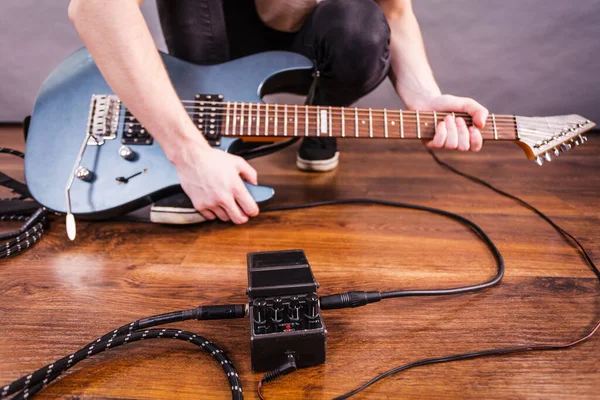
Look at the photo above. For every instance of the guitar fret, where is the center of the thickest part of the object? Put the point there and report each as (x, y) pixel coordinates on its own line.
(249, 118)
(306, 120)
(257, 118)
(318, 122)
(385, 122)
(343, 123)
(227, 119)
(266, 119)
(295, 119)
(330, 122)
(355, 121)
(234, 117)
(370, 123)
(285, 120)
(275, 127)
(401, 124)
(242, 121)
(418, 125)
(434, 123)
(495, 129)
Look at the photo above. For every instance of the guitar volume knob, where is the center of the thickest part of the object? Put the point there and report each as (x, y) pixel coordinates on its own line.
(126, 153)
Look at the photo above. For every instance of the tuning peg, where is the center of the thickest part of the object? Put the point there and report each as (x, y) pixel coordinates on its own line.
(582, 139)
(556, 152)
(565, 147)
(539, 160)
(547, 156)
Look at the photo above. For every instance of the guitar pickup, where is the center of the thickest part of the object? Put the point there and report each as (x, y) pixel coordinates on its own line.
(207, 114)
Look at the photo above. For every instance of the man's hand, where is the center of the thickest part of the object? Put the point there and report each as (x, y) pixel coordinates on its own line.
(453, 133)
(211, 178)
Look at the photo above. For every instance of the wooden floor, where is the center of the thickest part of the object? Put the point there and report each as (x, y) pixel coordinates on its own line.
(60, 295)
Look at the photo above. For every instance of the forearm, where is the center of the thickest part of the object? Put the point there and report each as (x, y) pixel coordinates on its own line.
(410, 71)
(120, 42)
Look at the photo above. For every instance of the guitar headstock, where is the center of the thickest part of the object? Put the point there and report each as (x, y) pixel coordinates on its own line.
(544, 137)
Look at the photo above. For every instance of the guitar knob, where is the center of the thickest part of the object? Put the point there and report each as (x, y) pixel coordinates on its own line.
(84, 174)
(556, 152)
(547, 156)
(126, 153)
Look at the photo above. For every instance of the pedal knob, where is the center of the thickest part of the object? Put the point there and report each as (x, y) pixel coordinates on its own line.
(278, 309)
(294, 310)
(311, 307)
(260, 311)
(126, 153)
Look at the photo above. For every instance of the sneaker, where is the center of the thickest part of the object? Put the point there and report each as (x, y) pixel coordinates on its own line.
(317, 155)
(176, 209)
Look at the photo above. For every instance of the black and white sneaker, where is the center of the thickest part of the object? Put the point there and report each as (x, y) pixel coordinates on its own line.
(317, 155)
(176, 209)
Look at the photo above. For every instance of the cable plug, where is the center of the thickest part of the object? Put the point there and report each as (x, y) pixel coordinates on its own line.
(286, 368)
(226, 311)
(348, 300)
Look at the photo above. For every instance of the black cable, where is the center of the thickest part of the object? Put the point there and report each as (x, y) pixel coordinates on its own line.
(498, 351)
(63, 365)
(16, 209)
(6, 150)
(286, 368)
(199, 313)
(356, 299)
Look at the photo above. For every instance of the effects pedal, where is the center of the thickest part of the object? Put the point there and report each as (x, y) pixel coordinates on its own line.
(284, 312)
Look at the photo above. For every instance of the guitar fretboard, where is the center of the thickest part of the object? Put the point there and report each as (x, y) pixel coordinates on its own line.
(288, 120)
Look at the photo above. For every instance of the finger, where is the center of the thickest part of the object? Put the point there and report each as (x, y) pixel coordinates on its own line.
(235, 213)
(463, 135)
(208, 214)
(246, 201)
(476, 139)
(439, 139)
(247, 172)
(219, 212)
(452, 135)
(477, 112)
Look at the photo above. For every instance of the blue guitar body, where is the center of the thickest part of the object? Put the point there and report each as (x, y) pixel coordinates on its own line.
(61, 119)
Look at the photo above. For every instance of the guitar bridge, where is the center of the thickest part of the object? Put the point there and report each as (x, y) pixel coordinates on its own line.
(104, 119)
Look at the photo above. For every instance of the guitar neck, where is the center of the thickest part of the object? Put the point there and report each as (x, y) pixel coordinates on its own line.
(288, 120)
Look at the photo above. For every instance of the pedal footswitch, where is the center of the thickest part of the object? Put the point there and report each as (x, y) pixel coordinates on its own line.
(285, 317)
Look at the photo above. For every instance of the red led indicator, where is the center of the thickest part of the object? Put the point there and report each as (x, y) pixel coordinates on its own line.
(288, 327)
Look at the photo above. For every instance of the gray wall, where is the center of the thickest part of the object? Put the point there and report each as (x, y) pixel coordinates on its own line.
(528, 57)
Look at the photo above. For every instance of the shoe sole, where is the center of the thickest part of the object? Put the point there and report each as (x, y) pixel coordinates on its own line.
(318, 165)
(175, 215)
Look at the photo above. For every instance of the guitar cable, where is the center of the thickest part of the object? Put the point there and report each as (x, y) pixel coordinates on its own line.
(32, 383)
(18, 208)
(361, 298)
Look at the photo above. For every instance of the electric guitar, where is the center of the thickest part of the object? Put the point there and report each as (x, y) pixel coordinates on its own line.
(87, 154)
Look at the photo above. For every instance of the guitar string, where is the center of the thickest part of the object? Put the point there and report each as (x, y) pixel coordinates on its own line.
(336, 111)
(407, 116)
(407, 121)
(366, 110)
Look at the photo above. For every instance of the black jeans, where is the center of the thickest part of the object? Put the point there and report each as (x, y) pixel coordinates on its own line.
(347, 39)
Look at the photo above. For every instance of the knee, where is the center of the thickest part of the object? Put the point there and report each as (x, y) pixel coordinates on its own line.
(356, 39)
